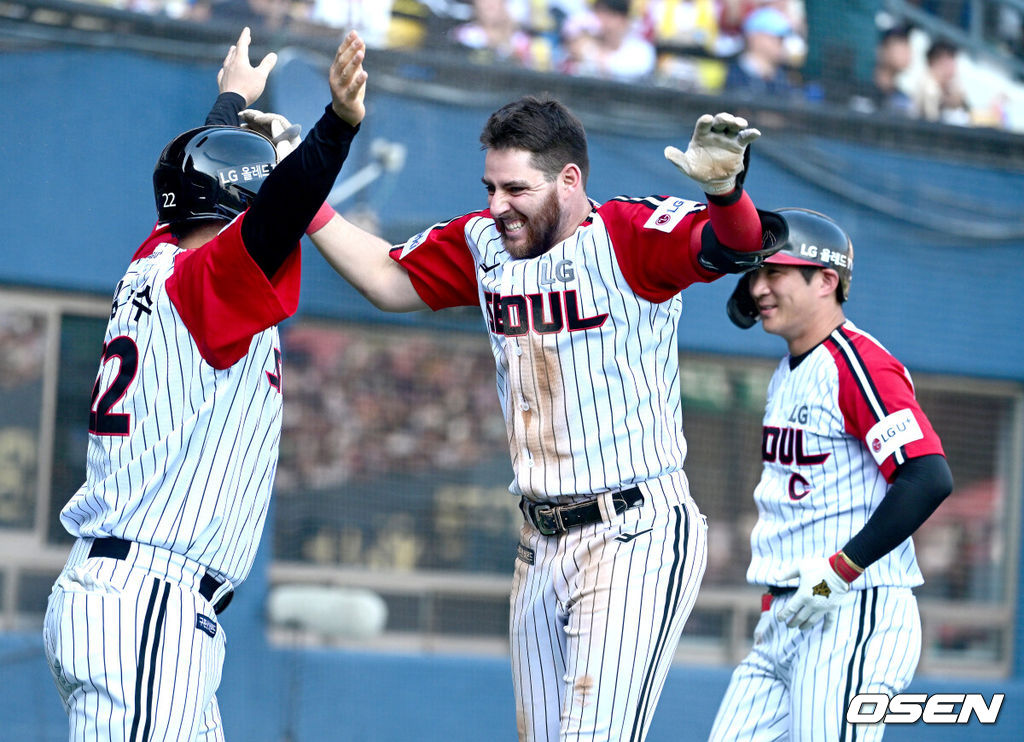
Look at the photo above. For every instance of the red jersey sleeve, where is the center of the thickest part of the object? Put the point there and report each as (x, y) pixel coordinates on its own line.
(657, 240)
(225, 299)
(876, 397)
(440, 264)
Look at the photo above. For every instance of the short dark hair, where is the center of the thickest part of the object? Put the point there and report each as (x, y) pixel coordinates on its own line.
(808, 272)
(619, 7)
(940, 48)
(899, 31)
(543, 127)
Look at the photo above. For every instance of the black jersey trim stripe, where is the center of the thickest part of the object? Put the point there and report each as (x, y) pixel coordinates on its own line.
(844, 343)
(863, 635)
(440, 225)
(675, 586)
(446, 222)
(145, 647)
(863, 653)
(651, 202)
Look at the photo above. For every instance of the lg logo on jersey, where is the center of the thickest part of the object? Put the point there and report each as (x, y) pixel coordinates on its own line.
(800, 415)
(786, 445)
(909, 708)
(563, 271)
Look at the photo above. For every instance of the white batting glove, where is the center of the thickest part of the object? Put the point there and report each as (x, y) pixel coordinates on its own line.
(714, 156)
(275, 127)
(817, 597)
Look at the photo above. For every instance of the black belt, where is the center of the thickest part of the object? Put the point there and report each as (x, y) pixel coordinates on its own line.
(777, 591)
(554, 519)
(117, 548)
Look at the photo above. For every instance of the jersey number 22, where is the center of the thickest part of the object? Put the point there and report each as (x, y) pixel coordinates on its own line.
(101, 420)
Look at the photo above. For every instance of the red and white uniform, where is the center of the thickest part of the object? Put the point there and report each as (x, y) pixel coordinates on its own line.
(184, 431)
(836, 427)
(583, 336)
(584, 339)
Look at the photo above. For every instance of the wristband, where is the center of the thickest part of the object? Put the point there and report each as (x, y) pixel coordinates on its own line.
(725, 199)
(844, 566)
(323, 215)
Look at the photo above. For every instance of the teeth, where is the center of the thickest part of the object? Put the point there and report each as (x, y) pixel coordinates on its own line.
(513, 226)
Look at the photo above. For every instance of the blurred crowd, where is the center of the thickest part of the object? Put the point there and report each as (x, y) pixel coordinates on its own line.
(750, 48)
(361, 402)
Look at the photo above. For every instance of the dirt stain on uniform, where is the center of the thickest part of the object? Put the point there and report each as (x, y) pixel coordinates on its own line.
(546, 369)
(582, 689)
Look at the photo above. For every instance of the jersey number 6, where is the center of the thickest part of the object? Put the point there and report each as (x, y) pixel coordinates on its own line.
(101, 420)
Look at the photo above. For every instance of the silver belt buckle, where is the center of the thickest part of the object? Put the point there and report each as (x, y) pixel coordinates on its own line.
(548, 520)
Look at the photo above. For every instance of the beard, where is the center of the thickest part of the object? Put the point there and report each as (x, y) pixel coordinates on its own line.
(539, 230)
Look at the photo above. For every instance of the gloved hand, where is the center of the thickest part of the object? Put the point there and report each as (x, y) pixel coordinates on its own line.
(275, 127)
(715, 156)
(817, 597)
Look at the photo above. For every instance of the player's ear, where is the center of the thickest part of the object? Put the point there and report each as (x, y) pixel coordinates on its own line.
(570, 178)
(829, 281)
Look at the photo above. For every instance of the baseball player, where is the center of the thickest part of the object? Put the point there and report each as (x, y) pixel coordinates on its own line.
(852, 468)
(581, 302)
(185, 423)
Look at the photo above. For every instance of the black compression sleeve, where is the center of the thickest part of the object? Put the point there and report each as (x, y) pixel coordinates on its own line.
(920, 486)
(225, 110)
(290, 196)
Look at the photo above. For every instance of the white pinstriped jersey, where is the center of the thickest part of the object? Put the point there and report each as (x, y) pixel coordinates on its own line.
(836, 427)
(186, 410)
(584, 338)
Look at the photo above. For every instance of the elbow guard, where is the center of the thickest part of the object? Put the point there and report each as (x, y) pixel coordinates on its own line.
(714, 256)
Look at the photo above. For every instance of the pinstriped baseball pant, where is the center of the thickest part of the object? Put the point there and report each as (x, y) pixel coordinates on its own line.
(596, 619)
(132, 654)
(797, 685)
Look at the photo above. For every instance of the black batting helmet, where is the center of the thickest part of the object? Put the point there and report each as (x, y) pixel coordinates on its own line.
(814, 240)
(210, 173)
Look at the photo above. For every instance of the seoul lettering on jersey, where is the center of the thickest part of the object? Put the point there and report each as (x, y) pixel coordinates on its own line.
(786, 445)
(543, 313)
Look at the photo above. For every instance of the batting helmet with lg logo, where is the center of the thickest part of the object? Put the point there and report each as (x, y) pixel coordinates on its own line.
(211, 172)
(814, 240)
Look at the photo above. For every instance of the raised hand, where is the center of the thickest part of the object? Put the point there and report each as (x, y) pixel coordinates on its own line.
(237, 75)
(348, 80)
(715, 156)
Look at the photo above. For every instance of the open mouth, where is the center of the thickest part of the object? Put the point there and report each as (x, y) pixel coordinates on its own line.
(513, 226)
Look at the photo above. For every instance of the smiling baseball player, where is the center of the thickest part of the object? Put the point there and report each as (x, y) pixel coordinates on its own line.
(851, 468)
(581, 302)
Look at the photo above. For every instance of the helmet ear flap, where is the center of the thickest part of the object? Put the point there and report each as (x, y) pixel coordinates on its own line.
(741, 307)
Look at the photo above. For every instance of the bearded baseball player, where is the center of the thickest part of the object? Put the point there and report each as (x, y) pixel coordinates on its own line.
(581, 302)
(852, 468)
(185, 422)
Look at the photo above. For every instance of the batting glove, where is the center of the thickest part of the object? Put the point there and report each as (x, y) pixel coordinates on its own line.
(715, 156)
(818, 595)
(275, 127)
